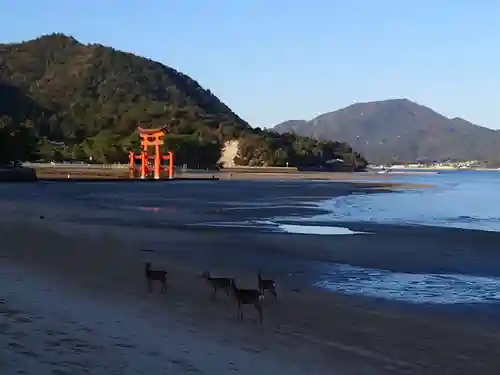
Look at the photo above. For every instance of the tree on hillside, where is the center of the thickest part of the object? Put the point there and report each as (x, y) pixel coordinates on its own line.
(17, 142)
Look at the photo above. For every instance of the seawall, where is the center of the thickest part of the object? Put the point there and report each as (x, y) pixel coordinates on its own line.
(17, 174)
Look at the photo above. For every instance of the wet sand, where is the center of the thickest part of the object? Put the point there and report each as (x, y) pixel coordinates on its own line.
(74, 303)
(74, 296)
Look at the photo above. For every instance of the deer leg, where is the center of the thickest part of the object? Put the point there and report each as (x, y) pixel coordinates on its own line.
(240, 313)
(150, 286)
(258, 307)
(164, 286)
(214, 293)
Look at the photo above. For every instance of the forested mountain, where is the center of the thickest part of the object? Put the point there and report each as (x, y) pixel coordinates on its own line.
(92, 98)
(399, 130)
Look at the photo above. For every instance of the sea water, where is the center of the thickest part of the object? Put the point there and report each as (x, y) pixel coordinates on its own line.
(418, 288)
(462, 199)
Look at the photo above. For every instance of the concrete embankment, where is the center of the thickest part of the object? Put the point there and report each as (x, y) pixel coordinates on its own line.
(17, 174)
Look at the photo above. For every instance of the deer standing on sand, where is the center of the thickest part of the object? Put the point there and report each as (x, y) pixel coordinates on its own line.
(217, 283)
(155, 275)
(247, 297)
(268, 285)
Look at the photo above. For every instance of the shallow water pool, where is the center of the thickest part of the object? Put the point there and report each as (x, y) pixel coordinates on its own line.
(410, 287)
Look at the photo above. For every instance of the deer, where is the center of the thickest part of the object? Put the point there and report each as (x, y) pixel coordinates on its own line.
(247, 297)
(267, 285)
(217, 283)
(155, 275)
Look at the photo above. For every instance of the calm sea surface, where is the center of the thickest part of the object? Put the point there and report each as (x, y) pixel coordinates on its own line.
(461, 199)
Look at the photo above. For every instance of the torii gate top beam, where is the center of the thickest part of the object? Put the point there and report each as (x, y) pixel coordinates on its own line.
(151, 137)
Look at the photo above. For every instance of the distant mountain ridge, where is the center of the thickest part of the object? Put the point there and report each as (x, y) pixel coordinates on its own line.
(399, 130)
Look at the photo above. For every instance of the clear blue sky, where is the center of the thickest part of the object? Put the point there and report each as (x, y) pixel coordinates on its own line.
(273, 60)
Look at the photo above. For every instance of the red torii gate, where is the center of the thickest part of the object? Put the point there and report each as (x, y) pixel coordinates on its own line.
(151, 137)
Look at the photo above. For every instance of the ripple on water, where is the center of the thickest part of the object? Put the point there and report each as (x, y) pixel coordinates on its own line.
(286, 228)
(411, 287)
(317, 229)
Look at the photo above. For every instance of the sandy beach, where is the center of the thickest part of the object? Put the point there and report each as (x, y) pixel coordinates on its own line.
(74, 303)
(74, 300)
(68, 172)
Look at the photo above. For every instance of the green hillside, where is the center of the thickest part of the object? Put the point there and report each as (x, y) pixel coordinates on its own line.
(92, 98)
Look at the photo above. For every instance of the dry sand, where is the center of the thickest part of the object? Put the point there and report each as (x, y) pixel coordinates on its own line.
(74, 301)
(78, 173)
(75, 304)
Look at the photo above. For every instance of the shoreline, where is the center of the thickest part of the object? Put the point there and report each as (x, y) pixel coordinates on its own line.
(72, 175)
(81, 243)
(192, 209)
(56, 173)
(365, 184)
(309, 331)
